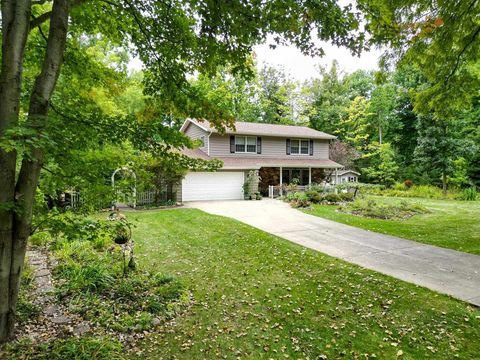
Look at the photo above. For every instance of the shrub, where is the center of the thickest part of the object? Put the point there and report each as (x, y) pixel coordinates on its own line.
(399, 186)
(298, 199)
(332, 198)
(408, 183)
(92, 283)
(470, 194)
(313, 196)
(346, 197)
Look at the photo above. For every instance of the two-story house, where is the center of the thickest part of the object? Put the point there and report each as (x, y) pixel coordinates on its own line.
(282, 154)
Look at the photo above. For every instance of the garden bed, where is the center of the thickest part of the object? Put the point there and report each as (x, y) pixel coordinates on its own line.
(371, 208)
(92, 307)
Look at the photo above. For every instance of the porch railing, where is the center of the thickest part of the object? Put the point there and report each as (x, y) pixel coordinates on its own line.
(277, 190)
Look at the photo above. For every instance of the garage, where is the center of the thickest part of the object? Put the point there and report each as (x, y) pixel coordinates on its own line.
(212, 186)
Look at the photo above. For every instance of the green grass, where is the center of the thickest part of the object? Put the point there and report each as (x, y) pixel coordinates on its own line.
(450, 224)
(258, 296)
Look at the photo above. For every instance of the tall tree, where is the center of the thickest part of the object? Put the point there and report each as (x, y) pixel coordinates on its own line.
(173, 39)
(328, 100)
(438, 146)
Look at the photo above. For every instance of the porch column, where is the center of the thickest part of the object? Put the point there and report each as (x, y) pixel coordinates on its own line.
(281, 181)
(309, 176)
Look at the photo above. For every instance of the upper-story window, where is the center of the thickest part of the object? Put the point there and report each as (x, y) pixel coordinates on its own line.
(245, 144)
(299, 146)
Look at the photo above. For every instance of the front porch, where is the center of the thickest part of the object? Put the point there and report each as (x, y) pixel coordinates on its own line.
(276, 181)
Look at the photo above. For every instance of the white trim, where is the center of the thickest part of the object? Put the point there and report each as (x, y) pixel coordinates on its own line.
(208, 144)
(187, 121)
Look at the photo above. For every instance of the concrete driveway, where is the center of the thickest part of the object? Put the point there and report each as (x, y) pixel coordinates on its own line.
(446, 271)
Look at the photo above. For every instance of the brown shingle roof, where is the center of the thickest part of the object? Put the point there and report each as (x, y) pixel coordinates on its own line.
(257, 163)
(250, 128)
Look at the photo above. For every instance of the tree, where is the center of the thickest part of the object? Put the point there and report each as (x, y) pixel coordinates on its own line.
(343, 153)
(381, 168)
(276, 96)
(354, 127)
(438, 146)
(381, 108)
(328, 100)
(441, 38)
(173, 39)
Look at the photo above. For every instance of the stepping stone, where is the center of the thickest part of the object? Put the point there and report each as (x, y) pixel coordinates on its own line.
(41, 273)
(51, 310)
(60, 320)
(81, 329)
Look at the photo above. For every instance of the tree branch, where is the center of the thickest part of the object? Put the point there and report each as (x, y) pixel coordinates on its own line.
(460, 54)
(39, 20)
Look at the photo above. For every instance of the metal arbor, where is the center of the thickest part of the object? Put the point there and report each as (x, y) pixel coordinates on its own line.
(134, 191)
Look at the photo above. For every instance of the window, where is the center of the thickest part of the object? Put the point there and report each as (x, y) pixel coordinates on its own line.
(202, 141)
(352, 179)
(299, 147)
(246, 144)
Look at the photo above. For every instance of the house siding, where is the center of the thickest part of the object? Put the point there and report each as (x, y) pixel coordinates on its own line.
(195, 132)
(272, 147)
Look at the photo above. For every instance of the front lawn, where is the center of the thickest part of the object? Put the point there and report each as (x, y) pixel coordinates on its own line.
(259, 296)
(450, 224)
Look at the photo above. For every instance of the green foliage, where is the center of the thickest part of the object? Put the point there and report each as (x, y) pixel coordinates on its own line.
(92, 284)
(401, 210)
(82, 348)
(470, 194)
(297, 199)
(304, 199)
(420, 191)
(382, 167)
(253, 178)
(26, 308)
(418, 33)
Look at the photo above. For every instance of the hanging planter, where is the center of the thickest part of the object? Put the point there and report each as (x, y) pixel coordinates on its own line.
(123, 233)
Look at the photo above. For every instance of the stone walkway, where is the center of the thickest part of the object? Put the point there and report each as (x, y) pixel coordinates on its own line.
(447, 271)
(54, 320)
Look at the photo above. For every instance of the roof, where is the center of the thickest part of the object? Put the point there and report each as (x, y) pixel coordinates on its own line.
(254, 163)
(230, 163)
(343, 172)
(251, 128)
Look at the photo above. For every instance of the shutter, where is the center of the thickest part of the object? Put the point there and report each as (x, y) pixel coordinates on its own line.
(288, 146)
(232, 144)
(311, 147)
(259, 145)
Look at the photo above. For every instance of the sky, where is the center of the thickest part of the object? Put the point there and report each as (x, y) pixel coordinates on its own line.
(301, 67)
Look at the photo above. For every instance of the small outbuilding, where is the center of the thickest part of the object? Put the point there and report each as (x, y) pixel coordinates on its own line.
(347, 176)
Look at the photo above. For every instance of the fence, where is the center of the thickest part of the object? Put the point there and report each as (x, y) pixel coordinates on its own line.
(154, 197)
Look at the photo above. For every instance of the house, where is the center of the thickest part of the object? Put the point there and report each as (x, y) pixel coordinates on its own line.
(282, 154)
(347, 176)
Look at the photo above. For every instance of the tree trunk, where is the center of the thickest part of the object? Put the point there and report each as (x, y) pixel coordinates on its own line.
(15, 28)
(380, 135)
(444, 183)
(24, 191)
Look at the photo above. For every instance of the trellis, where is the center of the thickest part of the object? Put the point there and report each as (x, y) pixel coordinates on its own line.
(134, 191)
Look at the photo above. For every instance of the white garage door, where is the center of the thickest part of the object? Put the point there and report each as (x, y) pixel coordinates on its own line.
(212, 186)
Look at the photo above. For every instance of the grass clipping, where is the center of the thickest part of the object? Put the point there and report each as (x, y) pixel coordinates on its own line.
(372, 208)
